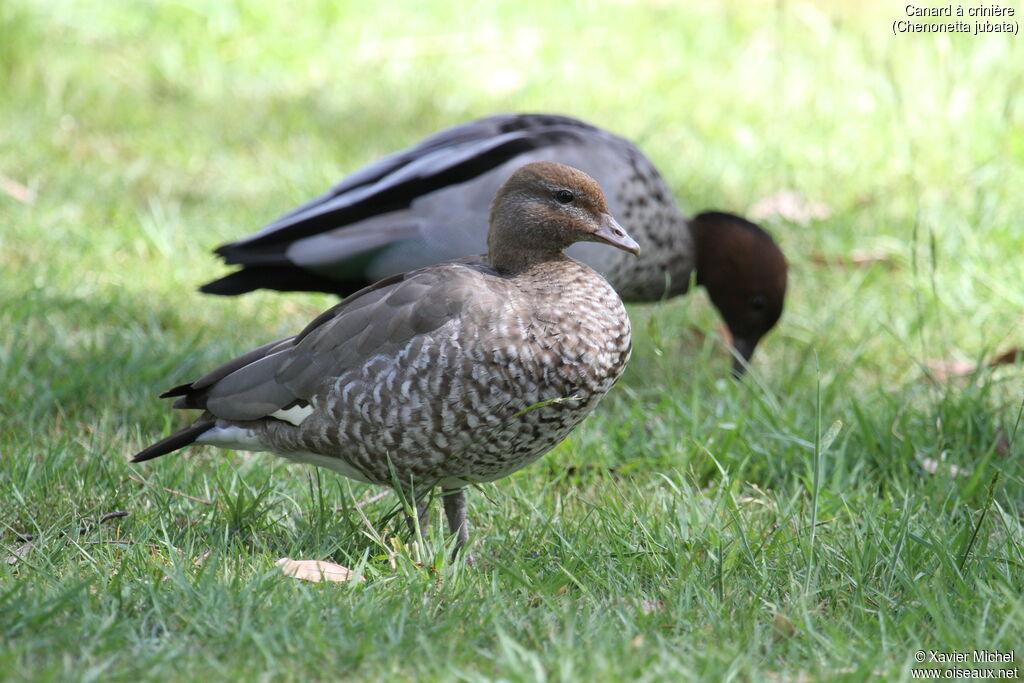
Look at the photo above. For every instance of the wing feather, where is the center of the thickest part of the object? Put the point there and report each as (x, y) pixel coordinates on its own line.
(381, 319)
(450, 157)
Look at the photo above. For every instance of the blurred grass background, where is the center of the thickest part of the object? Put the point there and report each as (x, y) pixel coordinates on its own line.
(671, 535)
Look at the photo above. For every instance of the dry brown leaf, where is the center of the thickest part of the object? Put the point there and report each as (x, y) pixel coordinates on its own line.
(1008, 357)
(19, 553)
(858, 258)
(16, 191)
(790, 205)
(315, 570)
(945, 369)
(933, 466)
(782, 627)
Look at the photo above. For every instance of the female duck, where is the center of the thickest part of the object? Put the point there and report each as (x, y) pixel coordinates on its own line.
(454, 374)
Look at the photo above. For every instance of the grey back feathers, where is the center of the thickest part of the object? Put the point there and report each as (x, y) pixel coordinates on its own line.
(429, 204)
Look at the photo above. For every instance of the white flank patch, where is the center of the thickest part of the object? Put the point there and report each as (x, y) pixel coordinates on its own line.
(295, 414)
(236, 438)
(231, 437)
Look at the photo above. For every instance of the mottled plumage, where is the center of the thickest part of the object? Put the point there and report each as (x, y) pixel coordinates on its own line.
(453, 374)
(429, 204)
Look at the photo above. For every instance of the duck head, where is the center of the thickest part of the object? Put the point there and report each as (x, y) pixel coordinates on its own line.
(545, 207)
(744, 273)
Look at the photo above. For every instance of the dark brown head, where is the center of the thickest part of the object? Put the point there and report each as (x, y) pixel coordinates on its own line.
(744, 272)
(544, 208)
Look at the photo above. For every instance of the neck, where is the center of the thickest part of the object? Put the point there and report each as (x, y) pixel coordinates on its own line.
(515, 260)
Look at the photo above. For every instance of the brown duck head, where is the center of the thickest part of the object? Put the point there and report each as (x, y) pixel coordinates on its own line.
(545, 207)
(744, 272)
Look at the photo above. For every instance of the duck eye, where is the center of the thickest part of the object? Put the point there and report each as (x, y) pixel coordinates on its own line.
(757, 302)
(564, 196)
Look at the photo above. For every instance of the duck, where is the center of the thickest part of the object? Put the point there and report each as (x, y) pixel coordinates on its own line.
(449, 375)
(429, 203)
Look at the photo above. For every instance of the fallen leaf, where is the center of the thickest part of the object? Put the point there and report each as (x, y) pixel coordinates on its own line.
(19, 553)
(315, 570)
(16, 191)
(946, 369)
(1008, 357)
(858, 258)
(790, 205)
(933, 466)
(782, 627)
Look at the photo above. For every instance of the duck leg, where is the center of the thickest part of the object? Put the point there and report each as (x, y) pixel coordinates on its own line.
(455, 510)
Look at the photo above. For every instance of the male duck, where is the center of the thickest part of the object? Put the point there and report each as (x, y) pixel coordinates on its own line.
(429, 204)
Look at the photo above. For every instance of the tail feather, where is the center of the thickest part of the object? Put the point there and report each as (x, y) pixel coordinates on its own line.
(180, 390)
(284, 279)
(179, 439)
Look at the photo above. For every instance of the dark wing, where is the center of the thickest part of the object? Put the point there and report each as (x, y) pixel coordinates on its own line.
(368, 210)
(381, 319)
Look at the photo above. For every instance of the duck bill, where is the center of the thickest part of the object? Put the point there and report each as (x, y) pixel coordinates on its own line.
(743, 351)
(614, 234)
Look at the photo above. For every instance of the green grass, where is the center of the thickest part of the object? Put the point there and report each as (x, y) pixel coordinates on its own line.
(784, 527)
